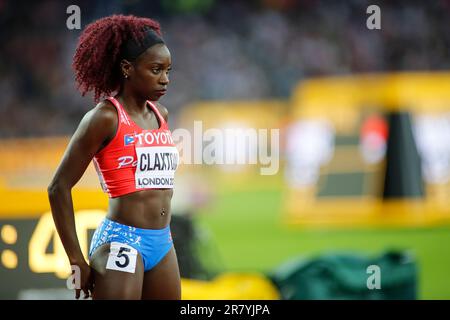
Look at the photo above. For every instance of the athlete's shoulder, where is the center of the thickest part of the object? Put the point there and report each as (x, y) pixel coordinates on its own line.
(163, 110)
(105, 110)
(104, 113)
(102, 119)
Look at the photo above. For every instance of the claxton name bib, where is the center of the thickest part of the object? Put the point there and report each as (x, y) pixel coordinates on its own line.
(157, 159)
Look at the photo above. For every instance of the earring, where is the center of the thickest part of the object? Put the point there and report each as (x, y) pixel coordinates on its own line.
(126, 76)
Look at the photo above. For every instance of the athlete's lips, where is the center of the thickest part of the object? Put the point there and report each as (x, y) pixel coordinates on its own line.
(161, 92)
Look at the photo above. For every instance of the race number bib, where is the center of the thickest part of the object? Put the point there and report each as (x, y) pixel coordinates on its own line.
(122, 257)
(156, 167)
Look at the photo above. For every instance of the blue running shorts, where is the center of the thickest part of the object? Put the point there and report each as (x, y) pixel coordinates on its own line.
(152, 244)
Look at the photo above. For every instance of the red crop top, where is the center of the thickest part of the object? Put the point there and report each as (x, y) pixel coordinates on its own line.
(137, 159)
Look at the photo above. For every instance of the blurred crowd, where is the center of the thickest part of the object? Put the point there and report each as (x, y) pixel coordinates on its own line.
(220, 50)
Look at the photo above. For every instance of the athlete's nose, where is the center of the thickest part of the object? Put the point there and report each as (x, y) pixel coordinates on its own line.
(164, 79)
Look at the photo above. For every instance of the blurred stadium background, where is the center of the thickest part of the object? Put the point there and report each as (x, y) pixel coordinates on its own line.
(364, 162)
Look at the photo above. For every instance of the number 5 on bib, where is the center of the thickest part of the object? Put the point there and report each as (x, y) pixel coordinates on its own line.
(122, 257)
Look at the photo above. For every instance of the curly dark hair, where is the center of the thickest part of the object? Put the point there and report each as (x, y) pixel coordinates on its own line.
(97, 57)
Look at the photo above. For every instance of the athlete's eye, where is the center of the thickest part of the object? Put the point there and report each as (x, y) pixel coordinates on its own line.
(156, 70)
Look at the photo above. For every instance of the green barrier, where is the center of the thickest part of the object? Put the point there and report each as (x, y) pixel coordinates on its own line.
(391, 275)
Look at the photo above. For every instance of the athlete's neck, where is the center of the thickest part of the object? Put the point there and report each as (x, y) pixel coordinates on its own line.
(132, 103)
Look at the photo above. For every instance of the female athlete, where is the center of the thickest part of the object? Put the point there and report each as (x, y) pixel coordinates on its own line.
(124, 60)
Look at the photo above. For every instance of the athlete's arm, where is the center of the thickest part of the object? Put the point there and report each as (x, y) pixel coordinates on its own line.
(96, 128)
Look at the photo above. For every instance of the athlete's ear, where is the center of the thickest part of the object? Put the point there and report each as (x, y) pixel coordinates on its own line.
(126, 68)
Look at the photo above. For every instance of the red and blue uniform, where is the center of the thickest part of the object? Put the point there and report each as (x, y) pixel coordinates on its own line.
(136, 159)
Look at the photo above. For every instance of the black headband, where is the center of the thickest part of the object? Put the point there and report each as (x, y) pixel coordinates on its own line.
(133, 49)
